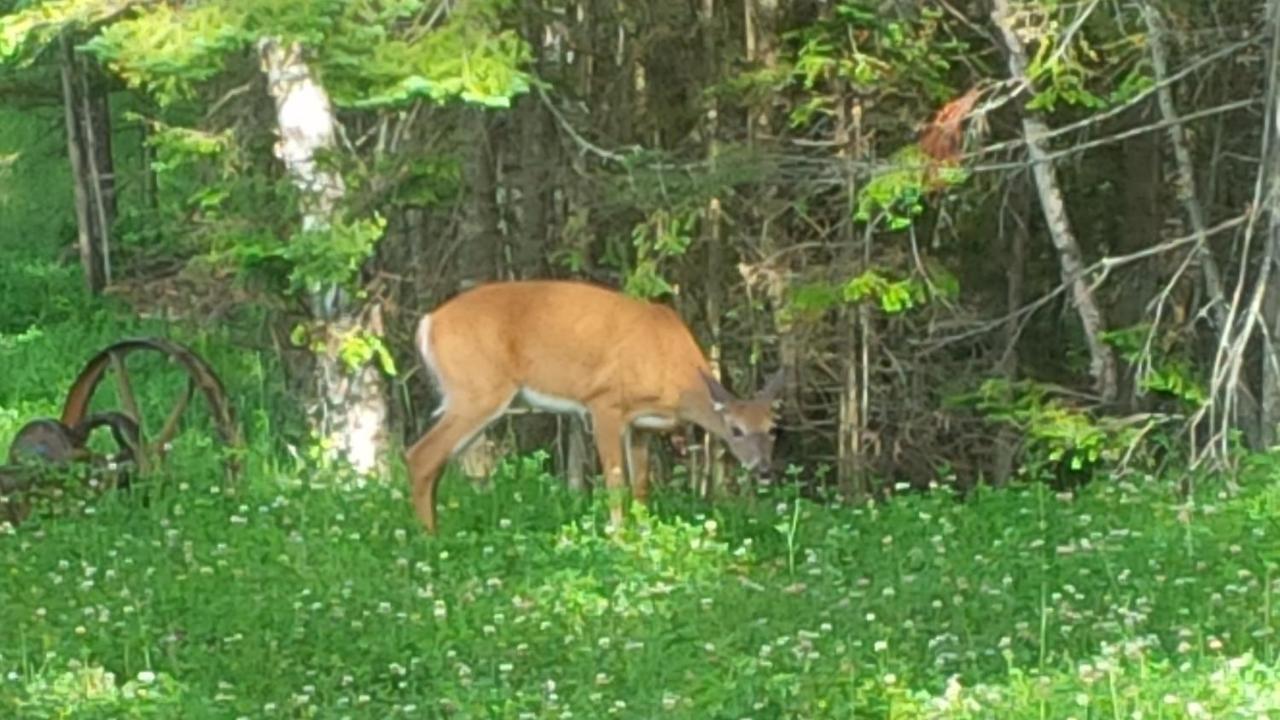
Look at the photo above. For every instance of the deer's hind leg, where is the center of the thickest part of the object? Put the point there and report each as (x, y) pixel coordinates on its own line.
(428, 457)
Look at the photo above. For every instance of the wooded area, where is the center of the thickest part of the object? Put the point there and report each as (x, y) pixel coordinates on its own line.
(1044, 224)
(1010, 267)
(947, 219)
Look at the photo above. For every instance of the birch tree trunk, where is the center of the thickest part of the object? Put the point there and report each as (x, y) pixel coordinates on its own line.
(1102, 363)
(349, 413)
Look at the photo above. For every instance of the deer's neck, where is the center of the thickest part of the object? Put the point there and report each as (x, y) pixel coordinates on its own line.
(697, 408)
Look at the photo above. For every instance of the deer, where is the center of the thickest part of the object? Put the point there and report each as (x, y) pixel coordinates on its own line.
(568, 346)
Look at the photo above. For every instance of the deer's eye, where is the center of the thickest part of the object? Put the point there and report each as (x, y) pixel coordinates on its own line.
(735, 431)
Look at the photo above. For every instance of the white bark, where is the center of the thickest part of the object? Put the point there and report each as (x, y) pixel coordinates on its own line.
(306, 126)
(350, 412)
(1102, 363)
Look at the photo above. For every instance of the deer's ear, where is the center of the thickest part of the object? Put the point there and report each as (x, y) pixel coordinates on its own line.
(774, 386)
(719, 395)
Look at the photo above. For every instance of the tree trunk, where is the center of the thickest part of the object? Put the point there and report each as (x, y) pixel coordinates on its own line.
(1017, 210)
(760, 22)
(97, 135)
(349, 414)
(1140, 225)
(763, 40)
(711, 471)
(1185, 184)
(1270, 274)
(1189, 198)
(478, 256)
(89, 157)
(856, 340)
(536, 158)
(1102, 363)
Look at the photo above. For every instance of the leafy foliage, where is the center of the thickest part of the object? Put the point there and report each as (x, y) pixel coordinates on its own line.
(470, 58)
(1170, 376)
(30, 186)
(84, 692)
(1076, 59)
(1062, 443)
(372, 55)
(356, 347)
(331, 255)
(859, 46)
(892, 296)
(25, 32)
(170, 51)
(897, 192)
(661, 238)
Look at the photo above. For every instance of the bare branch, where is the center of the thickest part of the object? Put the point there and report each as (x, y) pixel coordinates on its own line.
(584, 144)
(1104, 265)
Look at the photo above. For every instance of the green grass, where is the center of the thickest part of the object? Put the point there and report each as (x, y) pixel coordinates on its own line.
(294, 595)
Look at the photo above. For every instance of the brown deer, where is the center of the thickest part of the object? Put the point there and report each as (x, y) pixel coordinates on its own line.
(572, 347)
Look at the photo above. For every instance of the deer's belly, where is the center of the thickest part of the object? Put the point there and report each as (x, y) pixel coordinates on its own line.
(567, 406)
(654, 422)
(552, 403)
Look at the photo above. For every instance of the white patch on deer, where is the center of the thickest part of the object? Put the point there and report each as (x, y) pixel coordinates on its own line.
(654, 422)
(552, 403)
(422, 340)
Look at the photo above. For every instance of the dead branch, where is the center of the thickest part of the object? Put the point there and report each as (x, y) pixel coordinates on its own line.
(1229, 357)
(1104, 265)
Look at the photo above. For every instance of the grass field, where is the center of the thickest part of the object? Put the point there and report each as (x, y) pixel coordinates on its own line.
(291, 598)
(293, 595)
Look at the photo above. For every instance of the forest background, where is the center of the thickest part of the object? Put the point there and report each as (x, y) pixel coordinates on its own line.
(998, 243)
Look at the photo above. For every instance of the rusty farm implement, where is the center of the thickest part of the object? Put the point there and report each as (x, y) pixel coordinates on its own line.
(47, 450)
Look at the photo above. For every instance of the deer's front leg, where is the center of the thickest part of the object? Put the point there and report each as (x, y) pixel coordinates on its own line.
(638, 462)
(608, 431)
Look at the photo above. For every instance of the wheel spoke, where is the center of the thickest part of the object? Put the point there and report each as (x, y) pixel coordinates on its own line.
(130, 403)
(170, 429)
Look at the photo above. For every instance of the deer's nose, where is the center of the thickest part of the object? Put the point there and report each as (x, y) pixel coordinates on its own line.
(763, 473)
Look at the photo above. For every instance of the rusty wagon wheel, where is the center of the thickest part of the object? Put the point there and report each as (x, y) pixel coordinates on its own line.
(144, 440)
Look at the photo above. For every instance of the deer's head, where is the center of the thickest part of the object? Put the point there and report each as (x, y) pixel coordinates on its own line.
(748, 424)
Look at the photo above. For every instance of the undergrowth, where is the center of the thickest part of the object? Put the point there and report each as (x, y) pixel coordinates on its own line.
(295, 595)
